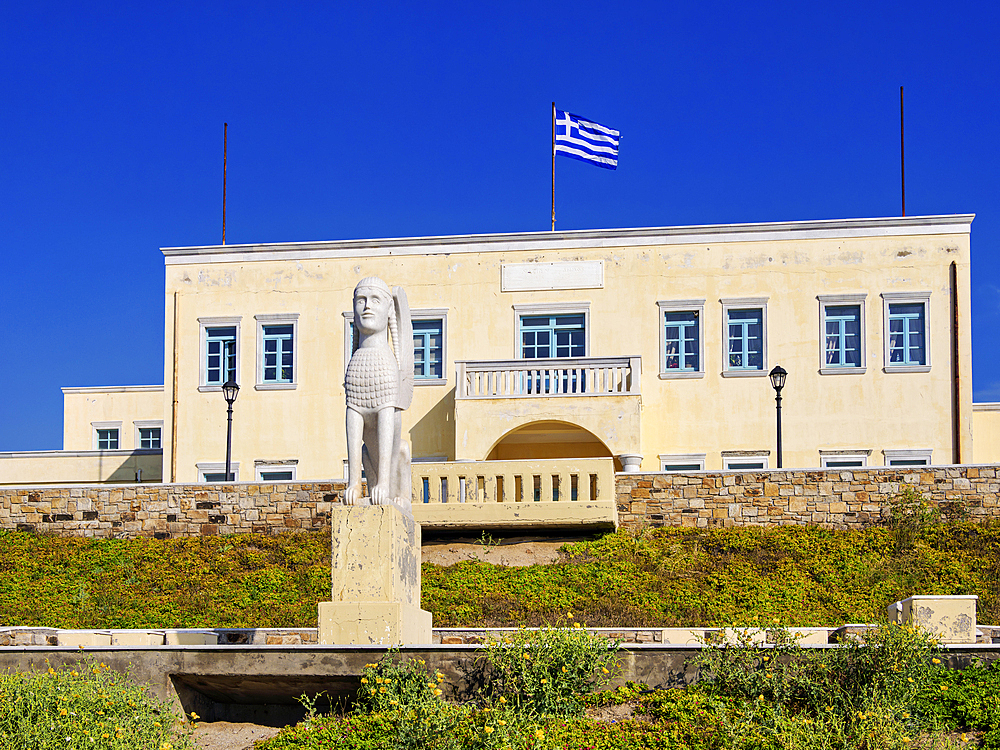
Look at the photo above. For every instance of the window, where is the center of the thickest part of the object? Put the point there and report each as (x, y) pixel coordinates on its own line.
(842, 331)
(276, 471)
(149, 437)
(148, 434)
(107, 436)
(745, 337)
(744, 460)
(216, 472)
(277, 356)
(548, 336)
(430, 344)
(683, 462)
(681, 341)
(552, 330)
(220, 352)
(907, 457)
(906, 327)
(847, 459)
(107, 440)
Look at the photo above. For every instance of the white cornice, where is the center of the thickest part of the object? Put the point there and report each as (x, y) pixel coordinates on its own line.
(581, 239)
(83, 454)
(114, 389)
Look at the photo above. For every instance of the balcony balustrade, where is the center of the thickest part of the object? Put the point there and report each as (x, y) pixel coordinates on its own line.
(534, 378)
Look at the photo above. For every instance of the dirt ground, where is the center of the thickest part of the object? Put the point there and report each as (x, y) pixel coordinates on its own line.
(511, 552)
(224, 735)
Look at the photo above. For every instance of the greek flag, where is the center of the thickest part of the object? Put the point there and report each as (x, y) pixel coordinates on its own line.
(585, 140)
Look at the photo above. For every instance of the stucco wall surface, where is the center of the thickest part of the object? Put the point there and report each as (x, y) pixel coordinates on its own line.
(841, 499)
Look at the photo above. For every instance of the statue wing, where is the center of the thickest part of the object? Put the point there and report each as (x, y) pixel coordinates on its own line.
(404, 325)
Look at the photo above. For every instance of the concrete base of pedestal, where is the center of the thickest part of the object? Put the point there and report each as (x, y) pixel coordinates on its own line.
(373, 623)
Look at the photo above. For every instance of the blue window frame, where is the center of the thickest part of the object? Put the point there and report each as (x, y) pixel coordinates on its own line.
(107, 439)
(428, 349)
(842, 326)
(907, 335)
(746, 339)
(680, 341)
(547, 336)
(278, 342)
(219, 476)
(149, 438)
(220, 354)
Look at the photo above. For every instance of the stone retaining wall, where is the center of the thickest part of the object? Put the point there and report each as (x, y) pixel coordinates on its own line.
(840, 499)
(837, 498)
(168, 510)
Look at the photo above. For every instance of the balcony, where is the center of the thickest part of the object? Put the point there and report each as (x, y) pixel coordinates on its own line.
(584, 407)
(546, 378)
(566, 494)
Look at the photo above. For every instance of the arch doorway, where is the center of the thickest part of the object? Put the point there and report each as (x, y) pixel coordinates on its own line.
(540, 440)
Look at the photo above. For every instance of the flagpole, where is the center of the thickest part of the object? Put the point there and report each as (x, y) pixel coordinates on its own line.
(553, 166)
(225, 156)
(902, 170)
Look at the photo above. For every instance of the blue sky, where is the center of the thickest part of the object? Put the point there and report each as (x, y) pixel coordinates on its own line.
(355, 120)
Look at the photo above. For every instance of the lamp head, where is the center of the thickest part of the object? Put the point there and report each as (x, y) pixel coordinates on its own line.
(230, 390)
(777, 376)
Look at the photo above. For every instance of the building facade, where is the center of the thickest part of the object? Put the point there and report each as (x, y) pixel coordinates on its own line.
(650, 346)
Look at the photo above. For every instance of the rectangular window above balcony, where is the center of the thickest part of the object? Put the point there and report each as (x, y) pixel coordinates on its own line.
(682, 343)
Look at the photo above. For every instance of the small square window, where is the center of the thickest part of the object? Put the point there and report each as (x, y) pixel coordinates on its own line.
(107, 439)
(149, 438)
(906, 331)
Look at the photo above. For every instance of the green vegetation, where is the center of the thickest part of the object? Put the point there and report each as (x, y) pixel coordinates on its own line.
(237, 581)
(84, 706)
(891, 692)
(663, 577)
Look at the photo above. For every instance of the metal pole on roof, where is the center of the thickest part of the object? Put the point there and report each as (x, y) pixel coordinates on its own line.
(225, 159)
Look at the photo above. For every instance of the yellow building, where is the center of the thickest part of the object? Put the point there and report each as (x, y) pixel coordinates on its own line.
(652, 346)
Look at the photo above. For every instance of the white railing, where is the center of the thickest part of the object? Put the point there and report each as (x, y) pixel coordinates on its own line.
(529, 378)
(554, 480)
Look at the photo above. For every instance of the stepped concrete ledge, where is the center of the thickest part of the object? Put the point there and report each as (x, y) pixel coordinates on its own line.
(260, 683)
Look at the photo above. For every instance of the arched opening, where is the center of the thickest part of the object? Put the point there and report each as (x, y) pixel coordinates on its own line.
(540, 440)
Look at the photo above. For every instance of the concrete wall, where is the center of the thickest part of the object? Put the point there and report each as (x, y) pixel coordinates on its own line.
(986, 428)
(792, 265)
(839, 499)
(75, 467)
(127, 404)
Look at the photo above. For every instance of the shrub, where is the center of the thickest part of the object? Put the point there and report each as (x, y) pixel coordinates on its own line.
(84, 706)
(547, 671)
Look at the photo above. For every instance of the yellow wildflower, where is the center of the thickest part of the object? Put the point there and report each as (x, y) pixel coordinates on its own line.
(935, 661)
(364, 680)
(605, 670)
(544, 680)
(569, 615)
(487, 729)
(438, 691)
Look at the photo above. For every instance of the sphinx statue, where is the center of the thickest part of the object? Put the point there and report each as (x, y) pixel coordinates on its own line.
(379, 385)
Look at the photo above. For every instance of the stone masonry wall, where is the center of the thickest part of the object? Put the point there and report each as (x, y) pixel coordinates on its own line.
(168, 510)
(837, 498)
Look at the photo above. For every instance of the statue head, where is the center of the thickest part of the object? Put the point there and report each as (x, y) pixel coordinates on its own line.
(373, 305)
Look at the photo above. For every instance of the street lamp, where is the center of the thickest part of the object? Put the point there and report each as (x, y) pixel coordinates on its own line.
(230, 390)
(777, 376)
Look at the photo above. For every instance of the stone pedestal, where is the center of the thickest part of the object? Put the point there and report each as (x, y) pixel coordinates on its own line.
(375, 579)
(951, 618)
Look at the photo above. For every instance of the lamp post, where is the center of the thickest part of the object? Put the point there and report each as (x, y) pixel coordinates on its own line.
(230, 390)
(777, 376)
